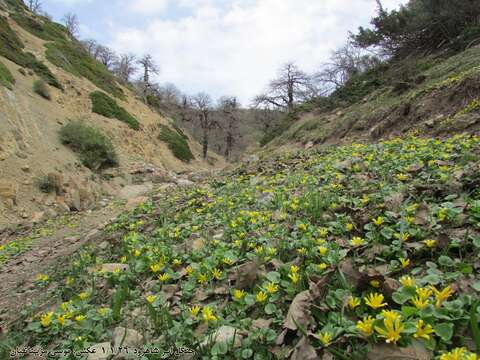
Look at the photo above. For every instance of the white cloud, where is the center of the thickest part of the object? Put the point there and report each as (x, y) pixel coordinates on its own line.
(235, 47)
(147, 7)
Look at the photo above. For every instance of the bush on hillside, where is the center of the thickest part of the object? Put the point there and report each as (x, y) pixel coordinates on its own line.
(11, 48)
(41, 88)
(6, 77)
(177, 142)
(96, 151)
(45, 184)
(104, 105)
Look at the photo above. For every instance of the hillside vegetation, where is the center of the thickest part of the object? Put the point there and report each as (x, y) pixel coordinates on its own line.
(434, 95)
(353, 251)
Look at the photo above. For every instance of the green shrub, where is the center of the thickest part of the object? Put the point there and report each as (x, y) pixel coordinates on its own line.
(70, 56)
(41, 88)
(177, 143)
(12, 48)
(104, 105)
(46, 184)
(96, 151)
(6, 77)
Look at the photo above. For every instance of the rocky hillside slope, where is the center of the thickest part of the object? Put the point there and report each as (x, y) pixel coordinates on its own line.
(33, 49)
(433, 95)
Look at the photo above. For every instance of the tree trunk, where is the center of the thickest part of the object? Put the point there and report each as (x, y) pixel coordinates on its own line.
(205, 142)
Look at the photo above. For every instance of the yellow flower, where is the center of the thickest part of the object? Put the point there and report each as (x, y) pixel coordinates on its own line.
(217, 274)
(325, 338)
(392, 331)
(163, 277)
(455, 354)
(261, 296)
(46, 319)
(419, 302)
(402, 177)
(227, 261)
(379, 221)
(353, 302)
(83, 295)
(136, 253)
(375, 300)
(391, 314)
(202, 278)
(294, 269)
(407, 281)
(423, 331)
(322, 250)
(302, 251)
(156, 267)
(405, 262)
(69, 280)
(375, 283)
(194, 310)
(294, 277)
(189, 270)
(104, 311)
(272, 288)
(61, 319)
(79, 318)
(424, 293)
(151, 299)
(42, 277)
(430, 243)
(238, 294)
(349, 227)
(323, 232)
(366, 325)
(176, 262)
(123, 259)
(302, 227)
(441, 296)
(357, 241)
(322, 266)
(208, 314)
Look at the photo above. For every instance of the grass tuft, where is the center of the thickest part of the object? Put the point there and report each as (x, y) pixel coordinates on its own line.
(6, 77)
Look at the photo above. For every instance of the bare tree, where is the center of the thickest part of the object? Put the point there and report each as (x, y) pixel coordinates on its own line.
(106, 56)
(35, 6)
(71, 23)
(90, 46)
(203, 103)
(125, 67)
(344, 63)
(149, 67)
(290, 87)
(228, 107)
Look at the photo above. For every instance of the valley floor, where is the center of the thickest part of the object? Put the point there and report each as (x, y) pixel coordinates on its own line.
(360, 251)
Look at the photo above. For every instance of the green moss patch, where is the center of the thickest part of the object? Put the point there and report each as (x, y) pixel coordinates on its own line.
(177, 142)
(41, 88)
(104, 105)
(96, 151)
(11, 48)
(6, 77)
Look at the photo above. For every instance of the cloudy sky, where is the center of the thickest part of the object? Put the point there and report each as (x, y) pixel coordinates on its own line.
(223, 47)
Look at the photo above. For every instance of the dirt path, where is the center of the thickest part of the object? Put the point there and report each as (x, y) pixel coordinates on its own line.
(18, 274)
